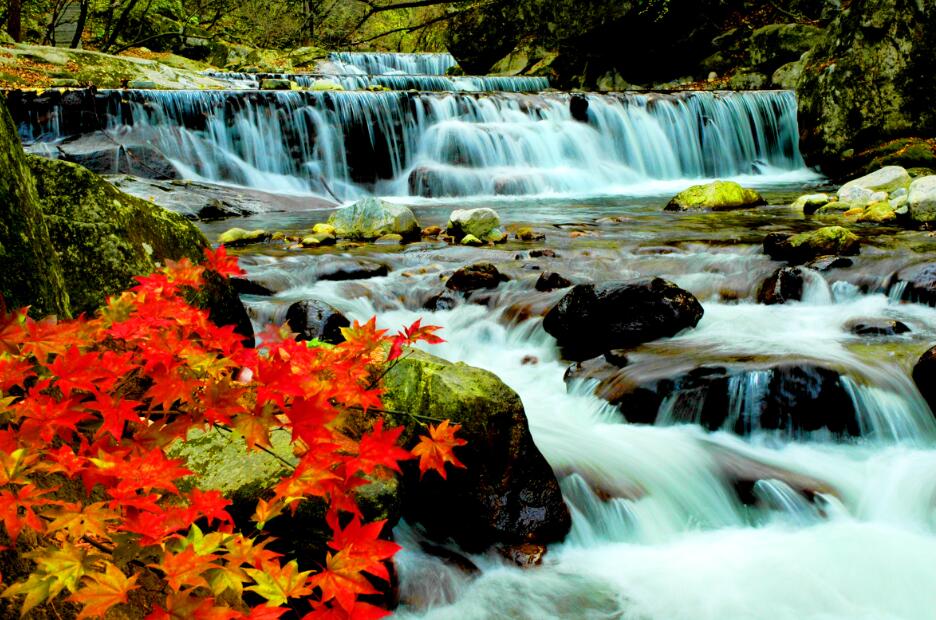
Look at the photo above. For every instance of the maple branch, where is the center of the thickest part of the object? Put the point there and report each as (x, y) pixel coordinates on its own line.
(262, 448)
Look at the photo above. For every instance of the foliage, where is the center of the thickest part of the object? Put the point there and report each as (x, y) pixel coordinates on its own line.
(89, 496)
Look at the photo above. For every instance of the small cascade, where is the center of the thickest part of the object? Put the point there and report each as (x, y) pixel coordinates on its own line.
(392, 81)
(376, 63)
(437, 145)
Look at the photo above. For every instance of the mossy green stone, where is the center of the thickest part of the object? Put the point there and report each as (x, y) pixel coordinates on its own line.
(104, 237)
(827, 240)
(878, 213)
(716, 196)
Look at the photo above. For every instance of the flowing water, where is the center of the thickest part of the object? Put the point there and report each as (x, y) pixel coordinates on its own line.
(831, 528)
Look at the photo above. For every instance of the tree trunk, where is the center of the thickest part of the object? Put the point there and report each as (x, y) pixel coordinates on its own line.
(79, 27)
(14, 20)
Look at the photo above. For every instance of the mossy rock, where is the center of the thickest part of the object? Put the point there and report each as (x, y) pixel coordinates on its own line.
(507, 492)
(716, 196)
(104, 237)
(372, 218)
(826, 241)
(878, 213)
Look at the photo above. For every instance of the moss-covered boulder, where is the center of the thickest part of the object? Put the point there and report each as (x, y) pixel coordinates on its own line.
(878, 213)
(30, 272)
(776, 44)
(483, 224)
(716, 196)
(372, 218)
(104, 237)
(826, 241)
(507, 493)
(810, 203)
(922, 200)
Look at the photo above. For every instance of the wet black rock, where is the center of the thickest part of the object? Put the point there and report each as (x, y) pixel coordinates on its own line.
(785, 284)
(920, 283)
(550, 281)
(593, 318)
(445, 300)
(924, 375)
(312, 319)
(790, 398)
(243, 286)
(219, 296)
(475, 277)
(827, 263)
(876, 327)
(351, 269)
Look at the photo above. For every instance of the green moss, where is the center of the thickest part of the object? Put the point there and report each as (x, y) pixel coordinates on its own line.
(878, 213)
(826, 240)
(104, 237)
(716, 196)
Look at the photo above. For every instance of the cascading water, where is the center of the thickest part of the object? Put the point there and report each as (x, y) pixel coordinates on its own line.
(437, 145)
(376, 63)
(466, 83)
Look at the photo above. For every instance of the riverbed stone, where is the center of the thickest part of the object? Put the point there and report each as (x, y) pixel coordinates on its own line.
(475, 277)
(924, 375)
(810, 203)
(483, 224)
(507, 492)
(550, 281)
(919, 283)
(593, 318)
(881, 212)
(341, 269)
(858, 196)
(784, 285)
(236, 237)
(805, 246)
(876, 327)
(716, 196)
(922, 200)
(887, 179)
(372, 218)
(312, 319)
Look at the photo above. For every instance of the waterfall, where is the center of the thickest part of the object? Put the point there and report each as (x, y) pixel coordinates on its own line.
(352, 81)
(448, 144)
(376, 63)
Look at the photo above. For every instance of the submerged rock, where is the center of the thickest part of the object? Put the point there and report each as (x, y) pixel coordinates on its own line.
(717, 196)
(372, 218)
(550, 281)
(829, 240)
(351, 269)
(312, 319)
(785, 284)
(920, 283)
(593, 318)
(475, 277)
(787, 397)
(507, 492)
(876, 327)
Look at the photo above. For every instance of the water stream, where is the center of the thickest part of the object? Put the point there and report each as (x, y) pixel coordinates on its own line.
(830, 528)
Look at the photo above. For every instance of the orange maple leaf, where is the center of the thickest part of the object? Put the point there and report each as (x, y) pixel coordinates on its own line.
(438, 449)
(102, 591)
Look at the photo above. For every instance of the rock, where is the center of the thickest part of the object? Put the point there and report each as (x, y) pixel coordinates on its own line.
(351, 269)
(215, 210)
(857, 196)
(922, 200)
(219, 297)
(528, 234)
(920, 283)
(591, 319)
(876, 327)
(887, 179)
(808, 245)
(65, 83)
(924, 375)
(836, 208)
(776, 44)
(431, 231)
(507, 492)
(810, 203)
(475, 277)
(311, 319)
(323, 229)
(827, 263)
(320, 85)
(790, 398)
(878, 213)
(787, 76)
(786, 284)
(244, 286)
(372, 218)
(275, 84)
(481, 223)
(868, 81)
(142, 84)
(471, 240)
(389, 239)
(31, 273)
(717, 196)
(747, 80)
(550, 281)
(445, 300)
(317, 240)
(235, 237)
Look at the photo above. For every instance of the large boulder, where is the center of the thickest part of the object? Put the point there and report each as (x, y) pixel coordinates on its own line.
(593, 318)
(868, 81)
(801, 248)
(784, 397)
(922, 200)
(507, 492)
(776, 44)
(31, 274)
(888, 179)
(372, 218)
(103, 238)
(716, 196)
